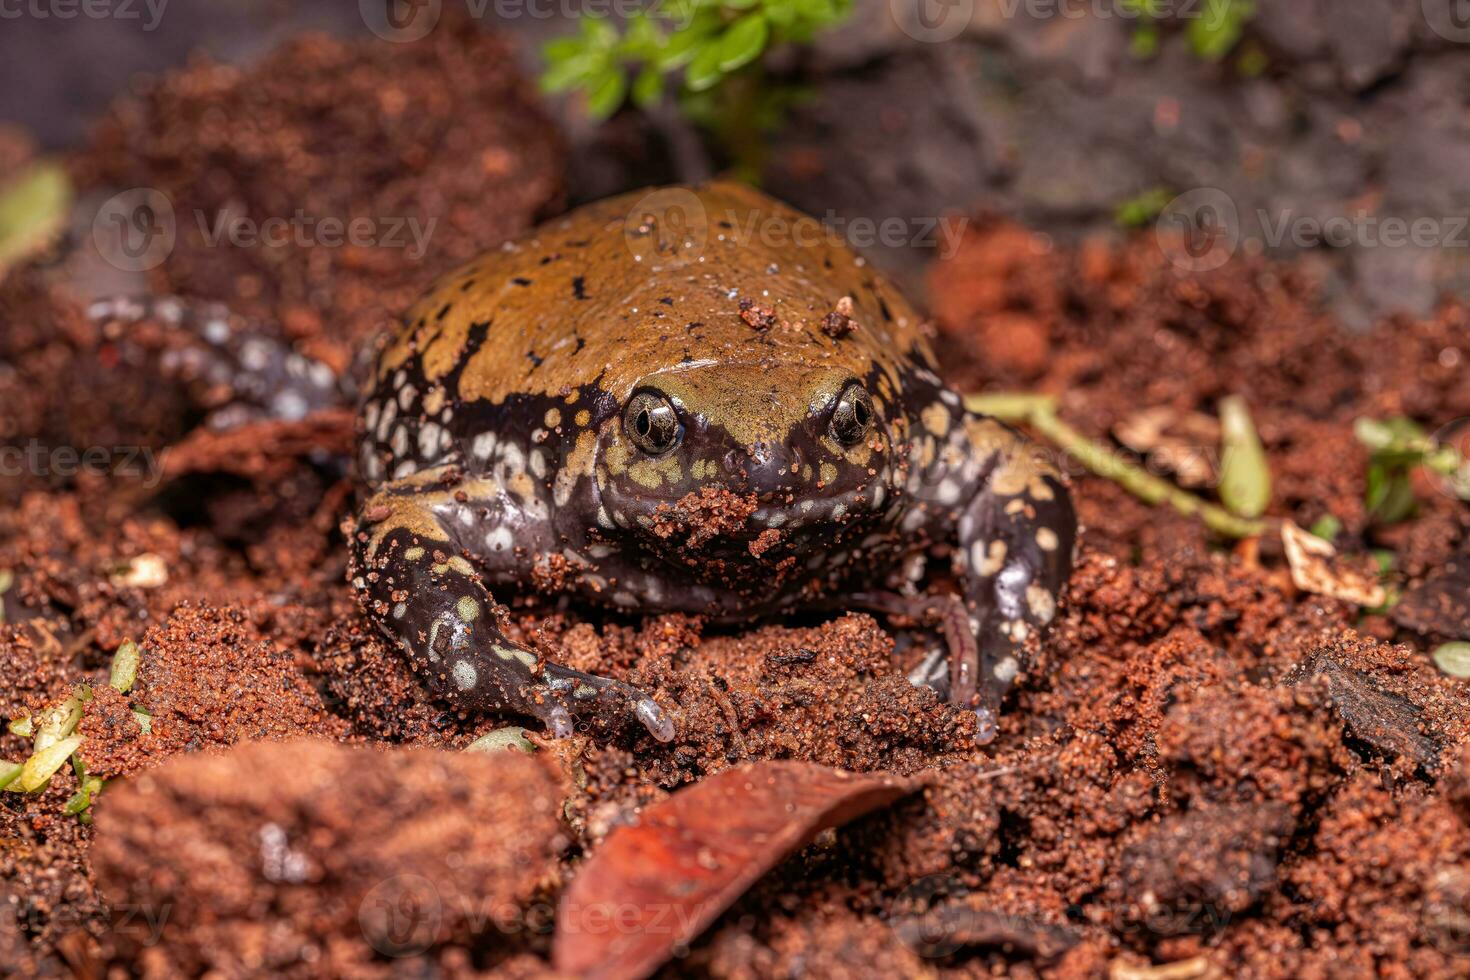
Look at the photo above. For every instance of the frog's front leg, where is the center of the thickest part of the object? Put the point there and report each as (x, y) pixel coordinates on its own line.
(416, 582)
(1013, 529)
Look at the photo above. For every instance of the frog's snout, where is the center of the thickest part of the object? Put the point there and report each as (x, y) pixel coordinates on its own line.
(762, 470)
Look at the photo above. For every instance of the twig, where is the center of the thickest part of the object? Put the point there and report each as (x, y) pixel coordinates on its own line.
(1040, 412)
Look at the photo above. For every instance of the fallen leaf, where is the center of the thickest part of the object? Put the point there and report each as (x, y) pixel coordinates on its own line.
(1453, 658)
(1387, 721)
(656, 885)
(1314, 569)
(1174, 442)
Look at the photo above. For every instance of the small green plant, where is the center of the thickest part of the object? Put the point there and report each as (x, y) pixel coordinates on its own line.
(1213, 30)
(1245, 474)
(1215, 33)
(1397, 447)
(715, 46)
(1144, 208)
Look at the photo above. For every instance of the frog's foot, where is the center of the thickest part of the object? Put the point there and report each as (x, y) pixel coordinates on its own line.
(572, 687)
(963, 683)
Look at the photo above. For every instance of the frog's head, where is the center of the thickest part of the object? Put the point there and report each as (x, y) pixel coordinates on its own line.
(718, 454)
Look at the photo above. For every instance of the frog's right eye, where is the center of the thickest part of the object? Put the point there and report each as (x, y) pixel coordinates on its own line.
(651, 423)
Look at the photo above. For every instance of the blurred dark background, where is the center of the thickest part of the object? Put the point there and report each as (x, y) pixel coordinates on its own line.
(1048, 111)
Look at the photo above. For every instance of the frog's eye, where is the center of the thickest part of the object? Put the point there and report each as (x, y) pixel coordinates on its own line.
(853, 416)
(651, 423)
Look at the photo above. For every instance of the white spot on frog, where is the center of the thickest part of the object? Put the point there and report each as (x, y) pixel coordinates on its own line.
(464, 675)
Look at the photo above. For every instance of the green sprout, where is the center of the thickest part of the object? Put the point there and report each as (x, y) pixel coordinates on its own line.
(33, 209)
(1397, 447)
(125, 667)
(1213, 32)
(715, 46)
(1214, 35)
(1144, 208)
(1245, 475)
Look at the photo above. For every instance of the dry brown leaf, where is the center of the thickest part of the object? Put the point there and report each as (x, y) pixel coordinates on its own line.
(654, 886)
(1315, 569)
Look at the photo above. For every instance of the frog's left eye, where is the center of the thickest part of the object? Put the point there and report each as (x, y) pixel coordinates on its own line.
(651, 423)
(853, 416)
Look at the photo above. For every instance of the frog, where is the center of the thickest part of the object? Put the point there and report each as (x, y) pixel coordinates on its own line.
(687, 400)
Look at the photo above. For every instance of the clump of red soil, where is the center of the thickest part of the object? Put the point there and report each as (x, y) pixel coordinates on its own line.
(256, 861)
(206, 679)
(434, 151)
(703, 514)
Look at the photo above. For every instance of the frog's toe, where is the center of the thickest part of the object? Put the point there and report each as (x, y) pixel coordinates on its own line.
(654, 718)
(580, 687)
(559, 722)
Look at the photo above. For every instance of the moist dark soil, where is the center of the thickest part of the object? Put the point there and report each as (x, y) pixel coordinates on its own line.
(1205, 768)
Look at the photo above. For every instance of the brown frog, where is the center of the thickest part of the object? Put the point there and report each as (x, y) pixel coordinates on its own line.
(719, 418)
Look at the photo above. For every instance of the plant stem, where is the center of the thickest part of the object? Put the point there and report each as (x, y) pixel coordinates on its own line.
(1040, 412)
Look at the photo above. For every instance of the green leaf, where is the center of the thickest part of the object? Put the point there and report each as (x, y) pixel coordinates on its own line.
(680, 48)
(1144, 43)
(1245, 475)
(55, 724)
(83, 797)
(508, 739)
(704, 72)
(1215, 32)
(1327, 528)
(24, 726)
(32, 212)
(144, 720)
(125, 666)
(9, 773)
(605, 93)
(744, 42)
(563, 49)
(1453, 658)
(43, 765)
(648, 87)
(568, 74)
(1142, 209)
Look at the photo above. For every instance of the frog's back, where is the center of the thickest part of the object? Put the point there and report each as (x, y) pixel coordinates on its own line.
(717, 274)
